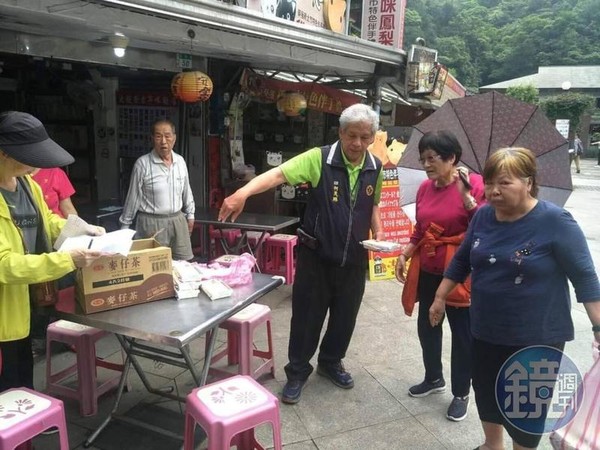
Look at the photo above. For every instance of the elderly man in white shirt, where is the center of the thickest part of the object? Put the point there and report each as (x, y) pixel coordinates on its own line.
(161, 196)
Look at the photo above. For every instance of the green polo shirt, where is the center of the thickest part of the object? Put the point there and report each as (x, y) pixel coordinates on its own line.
(306, 168)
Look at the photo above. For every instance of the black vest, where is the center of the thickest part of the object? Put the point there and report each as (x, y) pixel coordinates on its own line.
(338, 223)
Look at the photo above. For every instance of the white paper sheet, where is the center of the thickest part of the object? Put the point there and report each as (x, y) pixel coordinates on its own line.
(114, 242)
(75, 226)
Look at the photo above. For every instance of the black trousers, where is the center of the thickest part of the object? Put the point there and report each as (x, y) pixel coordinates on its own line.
(431, 338)
(488, 359)
(17, 364)
(320, 288)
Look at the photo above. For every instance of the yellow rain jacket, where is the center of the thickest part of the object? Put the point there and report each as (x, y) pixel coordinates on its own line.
(18, 270)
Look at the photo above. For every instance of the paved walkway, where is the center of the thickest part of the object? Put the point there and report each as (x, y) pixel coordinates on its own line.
(384, 358)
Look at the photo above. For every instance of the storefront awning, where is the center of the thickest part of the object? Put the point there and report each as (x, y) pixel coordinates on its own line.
(41, 28)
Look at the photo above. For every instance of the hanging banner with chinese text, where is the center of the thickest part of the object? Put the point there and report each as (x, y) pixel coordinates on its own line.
(319, 97)
(383, 22)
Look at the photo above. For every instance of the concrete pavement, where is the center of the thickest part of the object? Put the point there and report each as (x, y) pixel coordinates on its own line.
(384, 358)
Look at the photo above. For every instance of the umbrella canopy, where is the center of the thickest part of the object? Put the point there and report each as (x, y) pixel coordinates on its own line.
(484, 123)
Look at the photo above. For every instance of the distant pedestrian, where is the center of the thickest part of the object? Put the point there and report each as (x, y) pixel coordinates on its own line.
(577, 153)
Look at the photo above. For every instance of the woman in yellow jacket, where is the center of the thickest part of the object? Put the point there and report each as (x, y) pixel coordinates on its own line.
(27, 230)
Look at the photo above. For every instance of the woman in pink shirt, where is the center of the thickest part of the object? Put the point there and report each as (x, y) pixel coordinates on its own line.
(444, 206)
(57, 190)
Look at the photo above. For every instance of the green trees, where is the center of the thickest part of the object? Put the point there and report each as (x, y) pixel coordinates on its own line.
(567, 106)
(485, 41)
(526, 93)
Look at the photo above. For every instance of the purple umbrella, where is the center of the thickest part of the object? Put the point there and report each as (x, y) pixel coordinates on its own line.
(484, 123)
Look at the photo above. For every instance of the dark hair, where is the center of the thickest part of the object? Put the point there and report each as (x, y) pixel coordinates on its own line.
(443, 142)
(166, 121)
(516, 161)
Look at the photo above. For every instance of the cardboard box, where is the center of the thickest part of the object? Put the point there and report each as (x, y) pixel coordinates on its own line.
(145, 275)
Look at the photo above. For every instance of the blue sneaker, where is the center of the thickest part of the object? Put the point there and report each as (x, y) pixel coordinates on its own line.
(292, 391)
(337, 374)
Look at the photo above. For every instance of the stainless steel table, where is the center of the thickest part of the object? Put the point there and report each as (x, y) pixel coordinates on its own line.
(264, 223)
(169, 323)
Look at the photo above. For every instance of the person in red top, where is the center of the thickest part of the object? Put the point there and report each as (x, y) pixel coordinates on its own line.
(57, 190)
(444, 206)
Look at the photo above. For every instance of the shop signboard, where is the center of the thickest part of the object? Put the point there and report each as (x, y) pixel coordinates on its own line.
(451, 88)
(422, 70)
(184, 61)
(319, 97)
(309, 12)
(562, 125)
(383, 22)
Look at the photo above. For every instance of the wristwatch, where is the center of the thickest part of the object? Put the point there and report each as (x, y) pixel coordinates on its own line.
(596, 328)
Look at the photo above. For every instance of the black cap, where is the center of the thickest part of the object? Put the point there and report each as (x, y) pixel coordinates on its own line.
(24, 139)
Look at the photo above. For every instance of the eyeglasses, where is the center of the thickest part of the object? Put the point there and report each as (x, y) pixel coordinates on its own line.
(159, 137)
(430, 159)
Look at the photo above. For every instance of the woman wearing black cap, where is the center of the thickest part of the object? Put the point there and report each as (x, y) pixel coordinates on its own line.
(27, 230)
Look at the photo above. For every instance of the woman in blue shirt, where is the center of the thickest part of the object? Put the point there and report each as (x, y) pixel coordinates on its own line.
(520, 252)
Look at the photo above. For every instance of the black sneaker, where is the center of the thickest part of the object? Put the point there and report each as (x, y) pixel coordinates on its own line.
(337, 374)
(426, 388)
(457, 410)
(292, 391)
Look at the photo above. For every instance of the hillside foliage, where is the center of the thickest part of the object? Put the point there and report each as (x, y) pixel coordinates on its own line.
(486, 41)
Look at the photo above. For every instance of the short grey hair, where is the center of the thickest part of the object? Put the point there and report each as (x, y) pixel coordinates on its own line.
(165, 121)
(359, 113)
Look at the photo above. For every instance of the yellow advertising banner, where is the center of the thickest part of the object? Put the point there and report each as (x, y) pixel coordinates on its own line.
(394, 221)
(396, 226)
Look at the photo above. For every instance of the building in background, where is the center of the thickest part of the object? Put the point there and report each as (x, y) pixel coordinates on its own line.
(556, 80)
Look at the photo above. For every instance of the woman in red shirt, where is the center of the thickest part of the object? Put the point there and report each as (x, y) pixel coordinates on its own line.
(444, 206)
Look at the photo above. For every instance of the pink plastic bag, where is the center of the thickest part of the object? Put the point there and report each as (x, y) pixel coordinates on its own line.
(583, 432)
(240, 270)
(234, 273)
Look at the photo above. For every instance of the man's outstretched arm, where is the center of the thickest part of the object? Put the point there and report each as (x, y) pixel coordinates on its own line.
(234, 204)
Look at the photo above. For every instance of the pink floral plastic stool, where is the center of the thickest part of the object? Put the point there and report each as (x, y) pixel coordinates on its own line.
(25, 413)
(279, 256)
(228, 411)
(84, 339)
(240, 343)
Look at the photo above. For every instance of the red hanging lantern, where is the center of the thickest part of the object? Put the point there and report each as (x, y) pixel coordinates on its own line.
(291, 104)
(191, 87)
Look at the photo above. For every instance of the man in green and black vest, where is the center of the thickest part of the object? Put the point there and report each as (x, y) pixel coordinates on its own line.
(345, 186)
